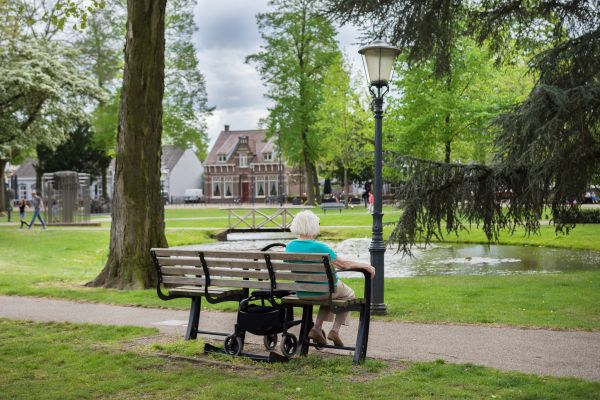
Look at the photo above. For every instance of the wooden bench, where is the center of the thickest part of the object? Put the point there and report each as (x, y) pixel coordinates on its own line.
(220, 276)
(332, 206)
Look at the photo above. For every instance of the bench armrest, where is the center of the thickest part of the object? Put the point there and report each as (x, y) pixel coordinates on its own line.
(367, 277)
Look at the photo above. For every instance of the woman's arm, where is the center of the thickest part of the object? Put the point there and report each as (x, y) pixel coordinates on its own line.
(343, 264)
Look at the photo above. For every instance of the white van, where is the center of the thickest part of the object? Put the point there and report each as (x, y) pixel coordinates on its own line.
(194, 195)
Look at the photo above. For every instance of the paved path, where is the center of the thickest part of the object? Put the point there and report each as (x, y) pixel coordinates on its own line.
(536, 351)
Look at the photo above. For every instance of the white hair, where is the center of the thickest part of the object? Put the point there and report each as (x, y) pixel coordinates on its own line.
(305, 223)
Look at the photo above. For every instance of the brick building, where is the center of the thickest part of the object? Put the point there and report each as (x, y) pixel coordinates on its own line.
(243, 166)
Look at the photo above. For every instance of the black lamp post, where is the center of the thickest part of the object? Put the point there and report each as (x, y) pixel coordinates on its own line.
(378, 58)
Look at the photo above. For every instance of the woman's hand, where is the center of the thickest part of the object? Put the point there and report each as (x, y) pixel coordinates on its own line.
(370, 270)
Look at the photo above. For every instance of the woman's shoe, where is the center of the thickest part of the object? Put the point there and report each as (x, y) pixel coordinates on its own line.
(335, 338)
(318, 336)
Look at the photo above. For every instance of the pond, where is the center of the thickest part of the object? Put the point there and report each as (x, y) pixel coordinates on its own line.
(455, 259)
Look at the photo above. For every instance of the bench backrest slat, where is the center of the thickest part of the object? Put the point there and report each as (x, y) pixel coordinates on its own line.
(245, 255)
(250, 264)
(243, 269)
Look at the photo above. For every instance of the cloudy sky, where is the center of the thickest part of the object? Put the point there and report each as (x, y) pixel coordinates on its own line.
(227, 33)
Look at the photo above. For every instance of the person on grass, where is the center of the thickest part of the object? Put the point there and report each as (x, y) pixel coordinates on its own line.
(38, 206)
(306, 226)
(22, 207)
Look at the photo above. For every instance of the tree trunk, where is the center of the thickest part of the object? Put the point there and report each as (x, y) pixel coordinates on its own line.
(137, 214)
(38, 180)
(309, 180)
(3, 193)
(104, 184)
(345, 186)
(316, 188)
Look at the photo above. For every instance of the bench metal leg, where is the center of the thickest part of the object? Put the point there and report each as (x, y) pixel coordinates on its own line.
(305, 327)
(360, 352)
(194, 319)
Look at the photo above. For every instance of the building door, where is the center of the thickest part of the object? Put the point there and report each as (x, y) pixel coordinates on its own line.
(245, 192)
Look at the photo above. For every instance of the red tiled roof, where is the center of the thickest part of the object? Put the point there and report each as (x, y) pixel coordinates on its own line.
(228, 140)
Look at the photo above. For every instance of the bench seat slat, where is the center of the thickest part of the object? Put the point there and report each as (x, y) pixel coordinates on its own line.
(250, 284)
(293, 299)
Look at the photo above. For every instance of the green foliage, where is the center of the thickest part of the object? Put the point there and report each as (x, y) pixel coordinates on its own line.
(101, 43)
(78, 153)
(547, 148)
(185, 105)
(452, 118)
(44, 93)
(298, 48)
(579, 216)
(345, 127)
(105, 122)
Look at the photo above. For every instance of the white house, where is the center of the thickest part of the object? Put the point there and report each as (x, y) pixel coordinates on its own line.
(180, 170)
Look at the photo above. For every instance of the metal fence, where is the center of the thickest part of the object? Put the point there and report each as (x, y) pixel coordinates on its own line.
(66, 195)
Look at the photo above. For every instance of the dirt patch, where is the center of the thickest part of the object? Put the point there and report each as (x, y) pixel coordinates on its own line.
(144, 346)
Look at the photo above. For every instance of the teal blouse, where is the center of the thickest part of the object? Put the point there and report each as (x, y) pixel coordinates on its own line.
(312, 246)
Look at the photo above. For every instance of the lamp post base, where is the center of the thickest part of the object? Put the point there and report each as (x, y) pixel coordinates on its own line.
(379, 309)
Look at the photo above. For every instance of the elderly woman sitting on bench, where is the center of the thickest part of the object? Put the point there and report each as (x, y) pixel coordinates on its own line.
(306, 226)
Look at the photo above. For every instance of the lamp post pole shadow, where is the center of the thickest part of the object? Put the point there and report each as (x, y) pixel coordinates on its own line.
(378, 58)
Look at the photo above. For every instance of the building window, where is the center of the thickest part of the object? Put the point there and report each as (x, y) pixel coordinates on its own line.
(268, 156)
(243, 160)
(260, 186)
(273, 185)
(222, 158)
(228, 186)
(22, 191)
(216, 187)
(98, 190)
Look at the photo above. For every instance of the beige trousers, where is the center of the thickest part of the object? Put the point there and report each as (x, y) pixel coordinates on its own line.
(342, 292)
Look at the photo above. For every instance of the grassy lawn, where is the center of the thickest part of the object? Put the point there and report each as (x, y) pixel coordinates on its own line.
(58, 262)
(64, 361)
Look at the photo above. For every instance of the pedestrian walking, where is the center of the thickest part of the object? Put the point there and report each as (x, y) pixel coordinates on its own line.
(371, 202)
(22, 207)
(38, 206)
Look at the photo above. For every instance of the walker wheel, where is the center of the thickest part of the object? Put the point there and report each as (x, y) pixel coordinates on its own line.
(270, 341)
(289, 344)
(233, 345)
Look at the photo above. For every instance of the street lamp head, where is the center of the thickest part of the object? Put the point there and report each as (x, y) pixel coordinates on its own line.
(379, 58)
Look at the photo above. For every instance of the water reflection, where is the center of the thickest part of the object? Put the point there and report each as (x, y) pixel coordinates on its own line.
(458, 259)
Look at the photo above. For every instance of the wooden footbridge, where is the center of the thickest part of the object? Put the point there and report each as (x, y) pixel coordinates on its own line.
(253, 219)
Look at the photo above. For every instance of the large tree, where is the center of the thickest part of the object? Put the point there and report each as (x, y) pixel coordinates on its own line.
(185, 105)
(345, 127)
(538, 141)
(451, 119)
(42, 95)
(298, 48)
(137, 214)
(77, 153)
